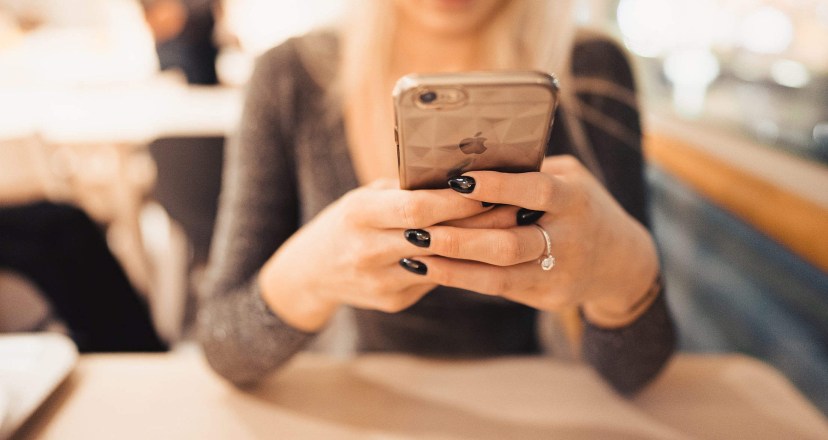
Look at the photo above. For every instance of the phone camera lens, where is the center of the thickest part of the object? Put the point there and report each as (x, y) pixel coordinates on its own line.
(428, 97)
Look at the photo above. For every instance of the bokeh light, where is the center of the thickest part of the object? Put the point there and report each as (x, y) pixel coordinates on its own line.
(767, 30)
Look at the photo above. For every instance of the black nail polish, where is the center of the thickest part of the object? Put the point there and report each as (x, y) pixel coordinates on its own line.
(528, 216)
(462, 184)
(414, 266)
(487, 204)
(418, 237)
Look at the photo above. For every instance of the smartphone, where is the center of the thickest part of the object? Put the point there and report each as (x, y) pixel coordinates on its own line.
(450, 123)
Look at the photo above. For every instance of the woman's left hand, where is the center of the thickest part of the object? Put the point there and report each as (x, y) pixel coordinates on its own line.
(605, 260)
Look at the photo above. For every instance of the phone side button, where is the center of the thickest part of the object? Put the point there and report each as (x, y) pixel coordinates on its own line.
(397, 142)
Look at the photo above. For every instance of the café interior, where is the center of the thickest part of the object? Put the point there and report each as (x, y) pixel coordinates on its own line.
(112, 113)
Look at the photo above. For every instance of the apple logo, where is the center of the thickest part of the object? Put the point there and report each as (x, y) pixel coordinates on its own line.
(473, 145)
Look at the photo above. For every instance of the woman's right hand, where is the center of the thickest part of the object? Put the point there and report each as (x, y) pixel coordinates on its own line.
(350, 253)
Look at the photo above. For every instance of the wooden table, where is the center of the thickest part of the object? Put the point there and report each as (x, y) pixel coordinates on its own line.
(177, 396)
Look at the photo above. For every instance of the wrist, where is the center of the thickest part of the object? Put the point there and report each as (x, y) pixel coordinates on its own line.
(294, 303)
(614, 313)
(635, 293)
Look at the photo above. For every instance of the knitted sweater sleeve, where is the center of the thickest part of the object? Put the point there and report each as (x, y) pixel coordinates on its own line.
(241, 337)
(629, 357)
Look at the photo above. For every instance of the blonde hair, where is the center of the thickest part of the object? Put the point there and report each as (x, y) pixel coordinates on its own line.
(525, 34)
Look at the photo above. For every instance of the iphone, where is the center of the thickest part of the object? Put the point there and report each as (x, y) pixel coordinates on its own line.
(450, 123)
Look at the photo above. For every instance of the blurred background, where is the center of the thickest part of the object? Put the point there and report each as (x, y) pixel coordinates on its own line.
(117, 111)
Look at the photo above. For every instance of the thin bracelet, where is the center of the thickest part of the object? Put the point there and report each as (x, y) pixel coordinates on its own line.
(610, 319)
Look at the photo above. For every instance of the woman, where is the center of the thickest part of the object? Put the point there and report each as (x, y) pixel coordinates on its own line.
(311, 219)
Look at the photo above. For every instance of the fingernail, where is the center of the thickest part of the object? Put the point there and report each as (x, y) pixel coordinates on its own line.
(418, 237)
(487, 204)
(462, 184)
(528, 216)
(414, 266)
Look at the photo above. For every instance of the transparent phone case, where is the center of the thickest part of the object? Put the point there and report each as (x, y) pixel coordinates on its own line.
(472, 121)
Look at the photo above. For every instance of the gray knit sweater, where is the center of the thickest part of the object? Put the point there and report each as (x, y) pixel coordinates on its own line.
(290, 160)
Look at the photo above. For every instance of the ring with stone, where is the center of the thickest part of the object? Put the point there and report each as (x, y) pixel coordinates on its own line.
(547, 261)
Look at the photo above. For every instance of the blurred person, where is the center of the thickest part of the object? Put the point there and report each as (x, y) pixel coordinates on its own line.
(183, 32)
(57, 247)
(311, 218)
(188, 177)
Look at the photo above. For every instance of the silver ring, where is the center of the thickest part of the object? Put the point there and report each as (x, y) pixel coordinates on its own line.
(547, 261)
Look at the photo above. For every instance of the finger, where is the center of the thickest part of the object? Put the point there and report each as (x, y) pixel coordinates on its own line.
(533, 190)
(499, 247)
(500, 217)
(389, 289)
(389, 302)
(410, 209)
(524, 283)
(383, 247)
(564, 164)
(400, 298)
(477, 277)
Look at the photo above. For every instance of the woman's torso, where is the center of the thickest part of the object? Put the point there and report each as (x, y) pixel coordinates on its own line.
(447, 320)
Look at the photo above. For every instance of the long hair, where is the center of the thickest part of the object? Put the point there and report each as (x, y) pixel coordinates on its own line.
(525, 34)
